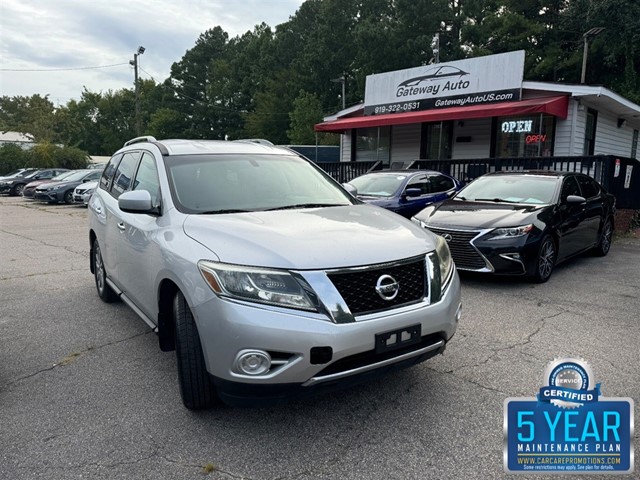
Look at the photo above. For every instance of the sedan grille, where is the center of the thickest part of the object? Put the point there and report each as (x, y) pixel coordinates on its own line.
(464, 254)
(358, 287)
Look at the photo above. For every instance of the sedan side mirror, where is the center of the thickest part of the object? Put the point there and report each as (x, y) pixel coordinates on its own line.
(350, 188)
(575, 199)
(412, 192)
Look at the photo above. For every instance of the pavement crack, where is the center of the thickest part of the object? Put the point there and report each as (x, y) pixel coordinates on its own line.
(24, 237)
(72, 357)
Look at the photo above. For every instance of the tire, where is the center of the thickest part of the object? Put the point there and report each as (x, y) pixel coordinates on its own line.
(604, 244)
(196, 389)
(105, 292)
(16, 191)
(546, 260)
(68, 197)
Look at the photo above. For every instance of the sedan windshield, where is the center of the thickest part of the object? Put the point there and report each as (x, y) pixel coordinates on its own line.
(76, 176)
(377, 185)
(510, 189)
(217, 184)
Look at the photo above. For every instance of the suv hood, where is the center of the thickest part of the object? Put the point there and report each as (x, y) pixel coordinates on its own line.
(482, 215)
(310, 239)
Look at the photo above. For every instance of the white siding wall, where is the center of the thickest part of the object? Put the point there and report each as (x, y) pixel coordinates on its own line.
(566, 133)
(345, 153)
(610, 139)
(405, 142)
(480, 132)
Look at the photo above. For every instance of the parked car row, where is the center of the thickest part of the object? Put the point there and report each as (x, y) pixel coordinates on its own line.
(52, 185)
(512, 223)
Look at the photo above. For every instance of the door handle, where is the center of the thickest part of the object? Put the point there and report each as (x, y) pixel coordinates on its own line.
(121, 226)
(98, 210)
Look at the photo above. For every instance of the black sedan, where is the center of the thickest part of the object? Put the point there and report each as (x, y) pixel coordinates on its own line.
(14, 185)
(62, 191)
(523, 223)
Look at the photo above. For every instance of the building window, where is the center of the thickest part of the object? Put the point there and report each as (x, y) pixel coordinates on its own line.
(634, 144)
(525, 136)
(372, 144)
(590, 132)
(436, 140)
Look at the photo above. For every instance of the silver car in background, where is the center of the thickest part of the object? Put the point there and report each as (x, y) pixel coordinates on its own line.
(82, 193)
(267, 278)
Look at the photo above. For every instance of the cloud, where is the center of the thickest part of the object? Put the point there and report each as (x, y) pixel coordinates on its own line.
(66, 34)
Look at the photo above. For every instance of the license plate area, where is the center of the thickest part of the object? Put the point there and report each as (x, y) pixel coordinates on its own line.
(396, 339)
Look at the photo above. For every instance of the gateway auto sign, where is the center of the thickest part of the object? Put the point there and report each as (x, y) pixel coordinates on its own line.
(474, 81)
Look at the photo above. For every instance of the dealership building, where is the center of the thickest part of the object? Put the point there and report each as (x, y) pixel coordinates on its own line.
(482, 108)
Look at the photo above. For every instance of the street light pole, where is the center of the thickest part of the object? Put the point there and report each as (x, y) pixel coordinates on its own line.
(586, 36)
(341, 80)
(136, 85)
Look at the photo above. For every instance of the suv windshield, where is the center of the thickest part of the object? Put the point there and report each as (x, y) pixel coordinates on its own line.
(511, 189)
(240, 183)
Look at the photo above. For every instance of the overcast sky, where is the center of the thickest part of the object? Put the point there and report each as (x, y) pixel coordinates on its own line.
(47, 35)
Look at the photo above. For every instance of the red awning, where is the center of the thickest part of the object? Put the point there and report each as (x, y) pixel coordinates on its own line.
(557, 106)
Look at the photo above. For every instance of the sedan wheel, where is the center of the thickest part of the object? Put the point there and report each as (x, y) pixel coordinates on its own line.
(546, 260)
(17, 190)
(68, 196)
(606, 236)
(104, 291)
(196, 388)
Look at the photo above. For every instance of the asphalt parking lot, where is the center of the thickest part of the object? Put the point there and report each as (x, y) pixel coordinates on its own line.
(86, 393)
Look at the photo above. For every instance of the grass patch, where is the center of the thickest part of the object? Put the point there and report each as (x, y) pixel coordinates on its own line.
(70, 358)
(207, 468)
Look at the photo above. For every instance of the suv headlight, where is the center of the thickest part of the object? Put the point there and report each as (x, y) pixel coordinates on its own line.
(442, 268)
(511, 232)
(272, 287)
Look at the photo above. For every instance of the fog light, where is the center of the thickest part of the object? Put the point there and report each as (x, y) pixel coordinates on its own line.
(253, 362)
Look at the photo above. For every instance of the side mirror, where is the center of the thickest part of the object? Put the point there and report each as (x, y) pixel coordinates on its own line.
(137, 201)
(350, 188)
(450, 193)
(412, 192)
(575, 199)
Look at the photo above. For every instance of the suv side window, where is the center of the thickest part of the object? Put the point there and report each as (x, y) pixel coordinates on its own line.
(570, 187)
(124, 173)
(147, 178)
(588, 186)
(109, 170)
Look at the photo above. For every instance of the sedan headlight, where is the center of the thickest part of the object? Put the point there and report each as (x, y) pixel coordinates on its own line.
(272, 287)
(511, 232)
(442, 268)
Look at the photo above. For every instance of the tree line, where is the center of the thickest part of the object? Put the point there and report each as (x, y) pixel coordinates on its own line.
(276, 82)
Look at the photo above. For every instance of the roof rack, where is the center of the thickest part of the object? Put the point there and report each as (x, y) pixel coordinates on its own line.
(147, 138)
(260, 141)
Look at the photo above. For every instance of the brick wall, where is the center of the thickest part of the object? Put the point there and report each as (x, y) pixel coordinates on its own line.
(623, 220)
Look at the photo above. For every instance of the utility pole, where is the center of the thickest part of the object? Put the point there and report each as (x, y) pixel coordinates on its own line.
(587, 35)
(341, 80)
(134, 62)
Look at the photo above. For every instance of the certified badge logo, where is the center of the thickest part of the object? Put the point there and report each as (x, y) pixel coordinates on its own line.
(569, 383)
(569, 427)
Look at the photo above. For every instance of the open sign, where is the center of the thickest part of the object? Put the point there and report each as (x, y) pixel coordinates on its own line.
(529, 139)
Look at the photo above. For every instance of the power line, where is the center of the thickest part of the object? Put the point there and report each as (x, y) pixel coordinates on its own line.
(59, 69)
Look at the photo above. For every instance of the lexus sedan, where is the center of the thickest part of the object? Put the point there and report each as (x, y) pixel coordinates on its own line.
(404, 192)
(62, 191)
(267, 278)
(523, 223)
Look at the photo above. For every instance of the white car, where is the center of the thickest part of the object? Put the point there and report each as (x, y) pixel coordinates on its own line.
(82, 193)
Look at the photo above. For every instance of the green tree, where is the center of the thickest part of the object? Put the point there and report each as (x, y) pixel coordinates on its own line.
(307, 111)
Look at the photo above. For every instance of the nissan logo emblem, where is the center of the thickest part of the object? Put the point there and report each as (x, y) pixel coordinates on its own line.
(447, 237)
(387, 287)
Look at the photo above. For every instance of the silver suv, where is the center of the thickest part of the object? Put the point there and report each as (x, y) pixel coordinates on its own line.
(267, 277)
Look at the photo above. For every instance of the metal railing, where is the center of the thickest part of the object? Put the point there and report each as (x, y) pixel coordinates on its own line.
(347, 171)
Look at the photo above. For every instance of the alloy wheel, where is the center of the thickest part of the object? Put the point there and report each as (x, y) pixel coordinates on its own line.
(546, 259)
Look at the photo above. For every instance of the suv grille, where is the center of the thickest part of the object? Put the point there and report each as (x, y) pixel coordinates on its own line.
(464, 255)
(358, 288)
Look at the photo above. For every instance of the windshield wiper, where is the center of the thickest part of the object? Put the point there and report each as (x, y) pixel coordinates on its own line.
(305, 205)
(497, 200)
(227, 210)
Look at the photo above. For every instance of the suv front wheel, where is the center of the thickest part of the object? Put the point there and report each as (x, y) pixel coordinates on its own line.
(104, 290)
(196, 388)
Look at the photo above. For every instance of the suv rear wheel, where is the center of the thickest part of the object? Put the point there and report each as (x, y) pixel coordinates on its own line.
(196, 388)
